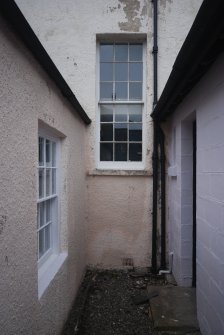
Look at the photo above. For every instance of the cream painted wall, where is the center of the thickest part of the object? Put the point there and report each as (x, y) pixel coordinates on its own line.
(27, 95)
(68, 31)
(119, 228)
(174, 22)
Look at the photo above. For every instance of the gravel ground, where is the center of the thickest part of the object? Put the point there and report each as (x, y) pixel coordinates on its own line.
(106, 305)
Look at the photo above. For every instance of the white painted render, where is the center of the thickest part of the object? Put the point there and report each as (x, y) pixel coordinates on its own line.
(69, 31)
(205, 105)
(28, 95)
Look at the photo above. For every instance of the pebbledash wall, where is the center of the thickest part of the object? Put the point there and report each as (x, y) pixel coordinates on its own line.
(119, 201)
(205, 105)
(29, 97)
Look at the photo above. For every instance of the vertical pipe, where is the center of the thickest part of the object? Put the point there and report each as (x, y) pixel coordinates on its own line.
(163, 201)
(155, 52)
(155, 143)
(194, 204)
(154, 211)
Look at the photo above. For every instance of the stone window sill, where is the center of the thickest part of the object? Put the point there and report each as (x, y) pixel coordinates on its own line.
(99, 172)
(48, 271)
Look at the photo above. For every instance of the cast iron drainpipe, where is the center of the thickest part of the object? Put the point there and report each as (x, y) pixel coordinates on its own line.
(154, 210)
(163, 199)
(158, 140)
(155, 143)
(159, 143)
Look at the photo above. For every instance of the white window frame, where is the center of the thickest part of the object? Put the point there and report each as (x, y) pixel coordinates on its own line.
(50, 263)
(116, 165)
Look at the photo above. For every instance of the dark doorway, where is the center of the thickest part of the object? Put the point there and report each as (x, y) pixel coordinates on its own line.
(194, 205)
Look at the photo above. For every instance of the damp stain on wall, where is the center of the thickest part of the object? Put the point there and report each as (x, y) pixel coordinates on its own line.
(163, 3)
(113, 9)
(131, 10)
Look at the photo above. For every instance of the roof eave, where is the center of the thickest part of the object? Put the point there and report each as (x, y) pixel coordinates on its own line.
(188, 67)
(12, 14)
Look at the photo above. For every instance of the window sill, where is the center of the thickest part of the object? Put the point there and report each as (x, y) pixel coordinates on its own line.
(48, 270)
(99, 172)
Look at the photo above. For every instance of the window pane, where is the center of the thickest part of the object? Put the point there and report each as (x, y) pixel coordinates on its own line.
(106, 151)
(135, 91)
(106, 52)
(47, 237)
(41, 151)
(135, 52)
(135, 113)
(48, 153)
(41, 183)
(42, 213)
(41, 243)
(121, 113)
(106, 132)
(53, 154)
(53, 181)
(48, 182)
(120, 152)
(106, 91)
(121, 52)
(121, 71)
(106, 71)
(135, 71)
(135, 132)
(135, 152)
(121, 91)
(48, 211)
(120, 131)
(106, 113)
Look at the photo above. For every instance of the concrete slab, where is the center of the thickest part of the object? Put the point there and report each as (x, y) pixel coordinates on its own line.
(174, 310)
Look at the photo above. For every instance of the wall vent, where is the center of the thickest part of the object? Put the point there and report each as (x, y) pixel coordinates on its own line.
(127, 262)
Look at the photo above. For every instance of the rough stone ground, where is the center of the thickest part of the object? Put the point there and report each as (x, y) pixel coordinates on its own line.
(106, 305)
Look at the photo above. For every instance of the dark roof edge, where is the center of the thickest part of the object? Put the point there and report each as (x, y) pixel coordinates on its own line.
(12, 13)
(196, 50)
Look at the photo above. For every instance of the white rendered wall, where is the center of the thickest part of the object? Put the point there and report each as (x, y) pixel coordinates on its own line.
(205, 103)
(118, 203)
(27, 94)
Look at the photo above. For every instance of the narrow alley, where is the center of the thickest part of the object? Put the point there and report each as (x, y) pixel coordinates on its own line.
(112, 167)
(118, 303)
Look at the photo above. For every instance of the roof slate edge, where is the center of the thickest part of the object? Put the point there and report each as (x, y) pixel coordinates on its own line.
(12, 14)
(200, 40)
